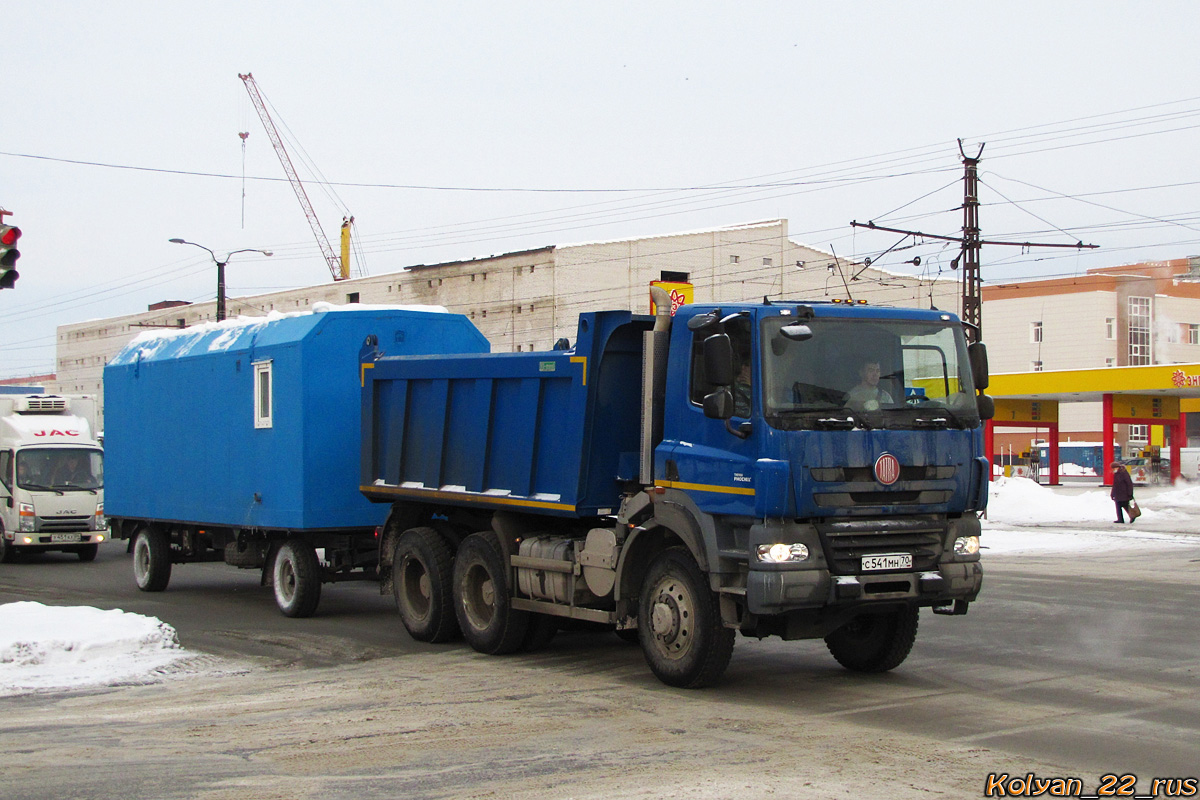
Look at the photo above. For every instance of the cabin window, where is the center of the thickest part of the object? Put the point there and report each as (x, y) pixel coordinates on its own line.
(263, 390)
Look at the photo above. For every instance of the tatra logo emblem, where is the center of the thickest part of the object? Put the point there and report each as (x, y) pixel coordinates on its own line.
(887, 469)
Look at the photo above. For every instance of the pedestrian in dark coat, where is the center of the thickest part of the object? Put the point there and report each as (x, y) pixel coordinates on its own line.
(1122, 491)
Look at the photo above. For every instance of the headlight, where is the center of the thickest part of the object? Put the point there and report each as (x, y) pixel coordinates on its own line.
(966, 545)
(782, 553)
(100, 522)
(27, 516)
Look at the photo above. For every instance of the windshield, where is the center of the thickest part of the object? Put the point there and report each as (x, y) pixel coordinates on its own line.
(868, 374)
(60, 468)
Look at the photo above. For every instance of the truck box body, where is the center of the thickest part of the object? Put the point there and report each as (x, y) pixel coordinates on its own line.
(550, 432)
(253, 424)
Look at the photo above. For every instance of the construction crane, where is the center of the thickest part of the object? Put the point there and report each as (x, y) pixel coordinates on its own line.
(339, 268)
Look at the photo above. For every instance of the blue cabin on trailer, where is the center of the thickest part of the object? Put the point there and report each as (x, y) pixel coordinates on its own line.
(255, 423)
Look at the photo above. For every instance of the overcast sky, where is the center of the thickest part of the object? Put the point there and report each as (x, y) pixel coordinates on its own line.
(461, 129)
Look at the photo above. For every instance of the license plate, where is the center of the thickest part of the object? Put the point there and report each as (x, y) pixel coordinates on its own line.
(886, 562)
(64, 537)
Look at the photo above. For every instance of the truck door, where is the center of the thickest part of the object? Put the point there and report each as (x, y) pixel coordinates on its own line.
(701, 455)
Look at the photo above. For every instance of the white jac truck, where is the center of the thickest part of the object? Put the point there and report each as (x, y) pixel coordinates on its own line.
(51, 476)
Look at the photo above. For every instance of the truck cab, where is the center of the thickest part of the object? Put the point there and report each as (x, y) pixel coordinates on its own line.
(832, 456)
(51, 476)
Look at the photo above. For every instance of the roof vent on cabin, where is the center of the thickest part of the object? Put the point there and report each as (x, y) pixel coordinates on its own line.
(40, 404)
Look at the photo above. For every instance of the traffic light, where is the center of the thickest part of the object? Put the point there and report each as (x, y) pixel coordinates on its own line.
(9, 255)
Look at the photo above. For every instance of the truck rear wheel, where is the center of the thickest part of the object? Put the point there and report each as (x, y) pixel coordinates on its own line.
(875, 642)
(679, 623)
(481, 597)
(151, 559)
(423, 583)
(297, 579)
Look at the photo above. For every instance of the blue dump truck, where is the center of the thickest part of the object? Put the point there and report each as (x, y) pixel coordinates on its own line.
(238, 442)
(796, 469)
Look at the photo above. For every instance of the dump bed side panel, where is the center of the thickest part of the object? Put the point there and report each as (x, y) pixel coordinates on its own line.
(543, 432)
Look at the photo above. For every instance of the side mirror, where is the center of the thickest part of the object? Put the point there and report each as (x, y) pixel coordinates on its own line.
(718, 360)
(977, 352)
(987, 406)
(719, 404)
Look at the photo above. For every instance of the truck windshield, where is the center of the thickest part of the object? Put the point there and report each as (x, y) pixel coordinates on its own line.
(60, 468)
(867, 374)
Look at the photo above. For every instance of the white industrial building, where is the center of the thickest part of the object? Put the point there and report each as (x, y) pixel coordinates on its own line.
(529, 299)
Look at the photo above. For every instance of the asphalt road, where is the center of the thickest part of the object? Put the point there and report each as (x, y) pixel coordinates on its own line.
(1074, 665)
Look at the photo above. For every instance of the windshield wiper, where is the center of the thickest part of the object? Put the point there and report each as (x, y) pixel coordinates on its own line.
(37, 487)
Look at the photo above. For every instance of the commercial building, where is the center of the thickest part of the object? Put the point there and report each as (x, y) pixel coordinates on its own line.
(1130, 318)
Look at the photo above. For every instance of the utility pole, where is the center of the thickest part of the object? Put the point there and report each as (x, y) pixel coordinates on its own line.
(970, 242)
(972, 300)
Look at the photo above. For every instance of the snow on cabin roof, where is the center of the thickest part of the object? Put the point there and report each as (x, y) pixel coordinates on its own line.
(222, 335)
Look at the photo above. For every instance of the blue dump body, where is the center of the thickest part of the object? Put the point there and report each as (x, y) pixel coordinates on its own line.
(185, 439)
(550, 432)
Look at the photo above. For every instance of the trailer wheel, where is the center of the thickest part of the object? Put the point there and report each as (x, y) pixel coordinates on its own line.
(297, 579)
(875, 642)
(481, 597)
(151, 559)
(679, 623)
(88, 552)
(423, 583)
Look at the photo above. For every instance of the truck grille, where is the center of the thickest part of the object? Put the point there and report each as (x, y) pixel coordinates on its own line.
(64, 524)
(845, 543)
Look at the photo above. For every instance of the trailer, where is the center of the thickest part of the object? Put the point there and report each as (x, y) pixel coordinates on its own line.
(238, 442)
(805, 470)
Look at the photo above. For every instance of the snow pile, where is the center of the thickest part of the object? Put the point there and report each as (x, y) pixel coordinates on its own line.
(1022, 502)
(50, 647)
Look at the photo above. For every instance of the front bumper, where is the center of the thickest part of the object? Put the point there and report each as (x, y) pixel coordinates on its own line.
(778, 592)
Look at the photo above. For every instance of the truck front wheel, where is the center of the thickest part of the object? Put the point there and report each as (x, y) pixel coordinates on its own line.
(8, 550)
(297, 579)
(423, 582)
(151, 560)
(875, 642)
(481, 597)
(679, 623)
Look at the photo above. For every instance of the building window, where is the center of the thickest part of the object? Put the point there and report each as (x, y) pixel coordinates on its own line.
(1037, 366)
(1139, 331)
(1193, 334)
(1139, 434)
(1110, 328)
(1035, 332)
(767, 262)
(1110, 362)
(734, 259)
(262, 394)
(352, 297)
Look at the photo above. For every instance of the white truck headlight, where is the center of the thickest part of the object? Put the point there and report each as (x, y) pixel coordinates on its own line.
(966, 545)
(100, 521)
(28, 517)
(782, 553)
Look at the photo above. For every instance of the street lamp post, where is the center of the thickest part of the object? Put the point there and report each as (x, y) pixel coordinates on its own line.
(220, 269)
